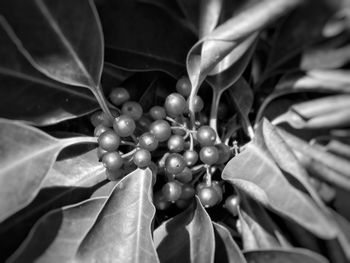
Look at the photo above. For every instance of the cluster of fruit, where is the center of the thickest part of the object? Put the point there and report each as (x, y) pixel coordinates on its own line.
(184, 154)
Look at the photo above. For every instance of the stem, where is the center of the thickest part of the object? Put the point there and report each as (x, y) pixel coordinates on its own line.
(101, 99)
(128, 143)
(77, 140)
(208, 176)
(191, 141)
(126, 155)
(214, 112)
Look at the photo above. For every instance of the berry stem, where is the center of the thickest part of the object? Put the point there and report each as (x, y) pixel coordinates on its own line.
(208, 176)
(78, 140)
(191, 141)
(214, 112)
(128, 143)
(128, 154)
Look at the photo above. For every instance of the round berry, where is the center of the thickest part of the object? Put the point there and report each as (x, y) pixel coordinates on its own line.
(109, 141)
(175, 104)
(161, 130)
(187, 191)
(198, 104)
(231, 204)
(176, 143)
(209, 155)
(208, 196)
(172, 191)
(99, 129)
(174, 163)
(132, 109)
(160, 202)
(157, 113)
(185, 176)
(118, 96)
(183, 86)
(190, 157)
(100, 117)
(142, 158)
(206, 136)
(124, 126)
(224, 152)
(112, 161)
(148, 141)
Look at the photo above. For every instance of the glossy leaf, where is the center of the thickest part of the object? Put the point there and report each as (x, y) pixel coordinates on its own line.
(258, 229)
(226, 249)
(326, 112)
(27, 155)
(225, 38)
(188, 237)
(83, 169)
(57, 235)
(122, 230)
(285, 256)
(63, 40)
(22, 86)
(255, 173)
(150, 46)
(209, 15)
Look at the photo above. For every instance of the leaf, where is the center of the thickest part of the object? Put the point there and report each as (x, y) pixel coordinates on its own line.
(225, 38)
(258, 229)
(315, 81)
(338, 148)
(325, 58)
(57, 235)
(62, 39)
(226, 249)
(74, 171)
(285, 158)
(255, 173)
(188, 237)
(27, 155)
(209, 15)
(298, 31)
(285, 256)
(121, 223)
(326, 112)
(22, 87)
(316, 152)
(150, 46)
(122, 230)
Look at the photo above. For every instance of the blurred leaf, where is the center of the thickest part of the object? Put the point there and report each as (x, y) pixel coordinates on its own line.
(298, 30)
(22, 87)
(316, 152)
(316, 81)
(209, 51)
(27, 155)
(57, 235)
(338, 148)
(258, 229)
(327, 112)
(325, 58)
(285, 256)
(188, 237)
(226, 249)
(255, 173)
(150, 46)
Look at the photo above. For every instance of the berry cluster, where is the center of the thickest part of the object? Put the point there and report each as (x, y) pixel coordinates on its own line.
(183, 157)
